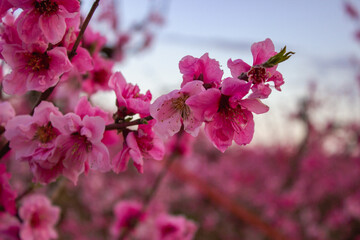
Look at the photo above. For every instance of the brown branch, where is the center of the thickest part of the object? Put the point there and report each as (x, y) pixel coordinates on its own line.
(42, 97)
(4, 150)
(26, 192)
(120, 126)
(82, 30)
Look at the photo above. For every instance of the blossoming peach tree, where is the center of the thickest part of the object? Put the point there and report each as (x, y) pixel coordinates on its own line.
(50, 57)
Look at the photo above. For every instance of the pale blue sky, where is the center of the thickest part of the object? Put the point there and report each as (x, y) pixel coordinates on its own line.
(318, 31)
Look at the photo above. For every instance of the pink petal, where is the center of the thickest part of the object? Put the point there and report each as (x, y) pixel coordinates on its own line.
(238, 67)
(192, 125)
(254, 105)
(158, 150)
(28, 26)
(53, 27)
(220, 132)
(71, 6)
(262, 51)
(205, 104)
(59, 62)
(235, 87)
(117, 82)
(120, 161)
(42, 112)
(261, 91)
(135, 152)
(67, 124)
(82, 60)
(193, 87)
(14, 83)
(93, 128)
(45, 175)
(99, 158)
(244, 134)
(278, 80)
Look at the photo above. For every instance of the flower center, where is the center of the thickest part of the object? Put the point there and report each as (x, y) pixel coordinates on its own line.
(235, 116)
(101, 77)
(258, 74)
(145, 143)
(35, 220)
(45, 133)
(179, 105)
(46, 7)
(168, 230)
(224, 105)
(81, 141)
(39, 61)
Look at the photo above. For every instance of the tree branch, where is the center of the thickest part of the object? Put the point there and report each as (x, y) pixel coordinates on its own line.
(120, 126)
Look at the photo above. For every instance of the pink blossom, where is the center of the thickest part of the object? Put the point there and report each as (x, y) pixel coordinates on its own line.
(82, 61)
(126, 213)
(72, 31)
(39, 218)
(140, 144)
(228, 116)
(129, 100)
(32, 138)
(84, 108)
(181, 143)
(175, 228)
(7, 195)
(93, 41)
(171, 111)
(204, 69)
(258, 74)
(33, 68)
(7, 113)
(9, 34)
(45, 18)
(79, 145)
(98, 78)
(9, 227)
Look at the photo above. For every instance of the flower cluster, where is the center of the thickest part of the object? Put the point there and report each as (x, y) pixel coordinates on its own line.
(225, 105)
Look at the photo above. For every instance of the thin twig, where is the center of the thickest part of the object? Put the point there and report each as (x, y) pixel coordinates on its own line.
(4, 150)
(119, 126)
(82, 30)
(26, 192)
(43, 97)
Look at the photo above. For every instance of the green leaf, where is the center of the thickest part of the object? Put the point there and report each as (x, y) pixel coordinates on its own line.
(278, 58)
